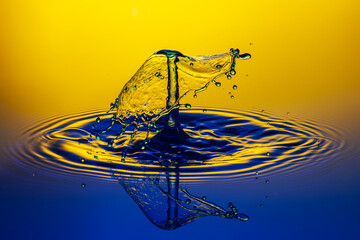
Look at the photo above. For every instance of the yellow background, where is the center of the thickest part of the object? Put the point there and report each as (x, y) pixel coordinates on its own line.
(60, 57)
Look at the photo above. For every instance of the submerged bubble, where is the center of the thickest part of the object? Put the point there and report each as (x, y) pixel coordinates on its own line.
(232, 96)
(188, 201)
(228, 76)
(232, 72)
(83, 185)
(218, 66)
(98, 119)
(82, 160)
(203, 197)
(267, 181)
(34, 174)
(234, 87)
(218, 84)
(204, 110)
(187, 105)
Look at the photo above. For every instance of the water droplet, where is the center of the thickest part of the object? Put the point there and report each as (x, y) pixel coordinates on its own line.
(98, 119)
(83, 185)
(203, 197)
(204, 110)
(143, 148)
(97, 136)
(188, 201)
(191, 64)
(195, 96)
(110, 144)
(218, 66)
(218, 84)
(267, 181)
(234, 87)
(267, 153)
(187, 105)
(232, 72)
(82, 160)
(243, 217)
(217, 213)
(232, 96)
(228, 76)
(244, 56)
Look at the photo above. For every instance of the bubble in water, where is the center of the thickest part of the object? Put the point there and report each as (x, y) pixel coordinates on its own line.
(83, 185)
(229, 76)
(218, 84)
(218, 66)
(261, 205)
(98, 119)
(267, 181)
(232, 72)
(188, 201)
(232, 96)
(203, 198)
(82, 160)
(191, 64)
(234, 87)
(34, 174)
(267, 153)
(187, 105)
(204, 110)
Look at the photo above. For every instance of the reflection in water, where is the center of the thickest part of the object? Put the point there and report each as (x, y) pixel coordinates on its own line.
(168, 205)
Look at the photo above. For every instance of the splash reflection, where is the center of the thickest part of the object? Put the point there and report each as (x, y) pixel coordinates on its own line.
(168, 205)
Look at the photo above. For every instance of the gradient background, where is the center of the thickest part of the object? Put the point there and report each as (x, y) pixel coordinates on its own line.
(61, 57)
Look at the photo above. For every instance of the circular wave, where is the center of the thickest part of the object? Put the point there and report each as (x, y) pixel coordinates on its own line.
(224, 145)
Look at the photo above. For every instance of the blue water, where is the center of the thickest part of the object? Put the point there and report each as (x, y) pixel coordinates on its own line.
(312, 168)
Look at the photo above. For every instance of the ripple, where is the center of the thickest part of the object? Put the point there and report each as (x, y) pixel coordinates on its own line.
(224, 145)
